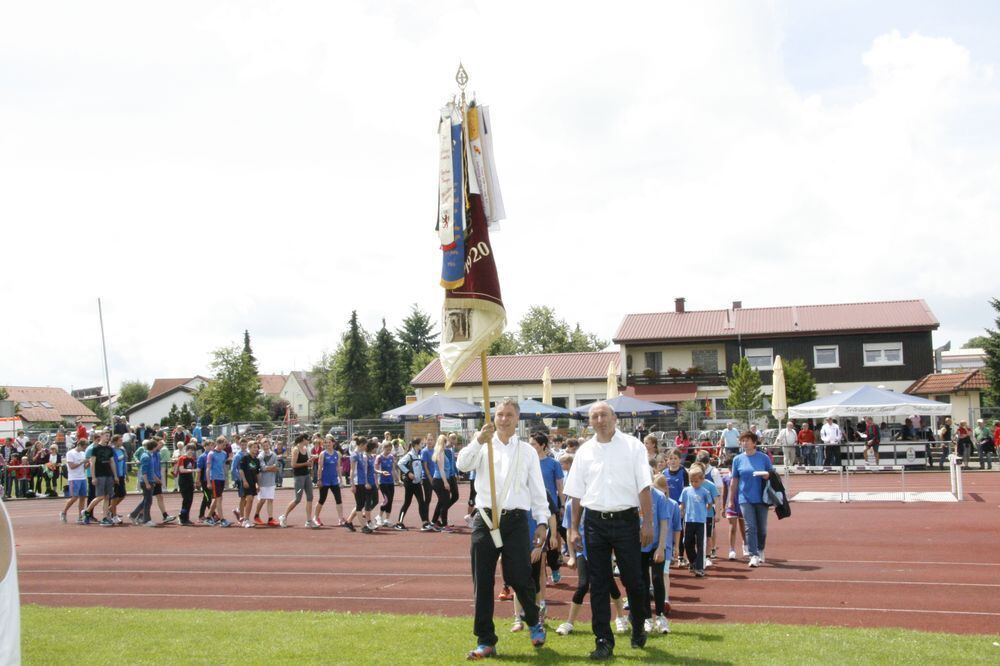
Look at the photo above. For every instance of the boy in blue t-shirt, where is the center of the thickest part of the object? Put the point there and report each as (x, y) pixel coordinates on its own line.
(694, 503)
(713, 513)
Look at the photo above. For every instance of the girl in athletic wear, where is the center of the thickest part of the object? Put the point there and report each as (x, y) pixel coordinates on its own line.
(301, 461)
(371, 499)
(412, 474)
(666, 530)
(427, 459)
(440, 517)
(735, 517)
(385, 469)
(329, 480)
(185, 470)
(359, 479)
(451, 472)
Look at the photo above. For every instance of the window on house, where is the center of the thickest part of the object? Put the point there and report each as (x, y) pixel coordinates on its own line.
(706, 360)
(826, 356)
(761, 358)
(654, 361)
(884, 353)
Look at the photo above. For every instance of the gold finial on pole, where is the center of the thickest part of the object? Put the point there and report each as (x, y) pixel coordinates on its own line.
(461, 77)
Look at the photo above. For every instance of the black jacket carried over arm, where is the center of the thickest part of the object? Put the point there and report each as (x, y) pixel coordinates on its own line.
(775, 495)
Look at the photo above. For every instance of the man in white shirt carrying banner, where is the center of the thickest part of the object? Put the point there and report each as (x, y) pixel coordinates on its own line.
(10, 601)
(522, 501)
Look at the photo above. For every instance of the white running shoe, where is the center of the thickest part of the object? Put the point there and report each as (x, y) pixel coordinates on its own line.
(281, 520)
(565, 629)
(62, 516)
(647, 625)
(517, 626)
(468, 522)
(247, 524)
(761, 558)
(754, 561)
(661, 624)
(708, 562)
(746, 552)
(732, 555)
(621, 625)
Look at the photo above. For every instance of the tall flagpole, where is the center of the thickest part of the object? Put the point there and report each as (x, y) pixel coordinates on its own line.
(104, 348)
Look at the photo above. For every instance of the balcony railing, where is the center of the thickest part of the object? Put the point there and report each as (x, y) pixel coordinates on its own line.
(654, 379)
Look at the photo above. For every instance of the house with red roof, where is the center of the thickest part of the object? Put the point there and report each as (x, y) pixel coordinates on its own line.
(962, 389)
(686, 354)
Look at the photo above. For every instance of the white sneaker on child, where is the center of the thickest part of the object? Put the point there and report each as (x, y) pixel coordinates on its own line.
(647, 625)
(621, 625)
(732, 555)
(662, 625)
(565, 629)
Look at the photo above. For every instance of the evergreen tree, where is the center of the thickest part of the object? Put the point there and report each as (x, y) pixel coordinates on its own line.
(350, 373)
(800, 386)
(170, 420)
(247, 350)
(184, 416)
(744, 388)
(386, 372)
(992, 347)
(417, 335)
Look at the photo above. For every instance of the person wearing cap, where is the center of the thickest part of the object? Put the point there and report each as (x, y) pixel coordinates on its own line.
(611, 479)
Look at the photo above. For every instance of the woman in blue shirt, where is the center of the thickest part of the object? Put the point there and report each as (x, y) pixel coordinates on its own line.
(329, 480)
(750, 470)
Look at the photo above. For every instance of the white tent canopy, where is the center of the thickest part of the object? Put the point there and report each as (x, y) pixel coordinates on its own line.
(869, 401)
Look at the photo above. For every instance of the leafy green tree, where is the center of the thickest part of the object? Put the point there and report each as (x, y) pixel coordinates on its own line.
(992, 347)
(416, 335)
(131, 392)
(542, 332)
(419, 362)
(800, 386)
(505, 345)
(976, 342)
(3, 393)
(352, 384)
(100, 411)
(744, 388)
(386, 372)
(232, 394)
(326, 384)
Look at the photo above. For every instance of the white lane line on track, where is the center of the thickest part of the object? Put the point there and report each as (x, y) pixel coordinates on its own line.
(404, 574)
(679, 607)
(76, 555)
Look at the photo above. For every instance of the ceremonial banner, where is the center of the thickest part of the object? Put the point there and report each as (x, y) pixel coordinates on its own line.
(473, 315)
(10, 601)
(451, 198)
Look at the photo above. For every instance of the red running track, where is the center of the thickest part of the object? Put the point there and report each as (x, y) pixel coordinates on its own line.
(919, 565)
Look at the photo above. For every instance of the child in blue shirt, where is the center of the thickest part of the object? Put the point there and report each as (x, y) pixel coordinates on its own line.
(694, 503)
(666, 524)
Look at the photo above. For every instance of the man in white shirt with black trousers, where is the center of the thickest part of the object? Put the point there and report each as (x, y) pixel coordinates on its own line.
(611, 479)
(519, 491)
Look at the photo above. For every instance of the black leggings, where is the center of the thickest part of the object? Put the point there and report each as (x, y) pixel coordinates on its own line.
(326, 490)
(388, 491)
(583, 582)
(413, 490)
(452, 491)
(187, 497)
(654, 570)
(440, 516)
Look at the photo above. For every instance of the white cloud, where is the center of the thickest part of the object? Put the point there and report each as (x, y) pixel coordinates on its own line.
(213, 167)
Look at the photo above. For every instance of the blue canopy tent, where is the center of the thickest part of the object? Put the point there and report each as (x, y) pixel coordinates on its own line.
(434, 407)
(533, 409)
(625, 405)
(869, 401)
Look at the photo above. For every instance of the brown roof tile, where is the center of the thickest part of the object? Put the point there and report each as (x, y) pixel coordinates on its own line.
(527, 368)
(63, 405)
(162, 385)
(272, 384)
(949, 382)
(785, 320)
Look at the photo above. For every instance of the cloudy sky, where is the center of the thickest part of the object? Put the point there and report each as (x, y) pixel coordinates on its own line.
(206, 167)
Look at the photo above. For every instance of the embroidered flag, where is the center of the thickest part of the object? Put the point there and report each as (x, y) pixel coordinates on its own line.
(451, 199)
(473, 315)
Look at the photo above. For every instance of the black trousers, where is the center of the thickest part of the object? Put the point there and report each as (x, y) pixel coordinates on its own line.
(694, 545)
(440, 516)
(621, 537)
(187, 497)
(413, 490)
(652, 574)
(516, 566)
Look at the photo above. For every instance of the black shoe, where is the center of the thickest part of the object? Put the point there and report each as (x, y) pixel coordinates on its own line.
(639, 641)
(350, 527)
(602, 651)
(367, 530)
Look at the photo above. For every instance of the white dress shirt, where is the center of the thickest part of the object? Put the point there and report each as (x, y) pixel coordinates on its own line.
(830, 433)
(527, 490)
(610, 476)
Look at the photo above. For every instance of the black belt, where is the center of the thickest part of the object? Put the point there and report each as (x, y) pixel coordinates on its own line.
(513, 513)
(625, 514)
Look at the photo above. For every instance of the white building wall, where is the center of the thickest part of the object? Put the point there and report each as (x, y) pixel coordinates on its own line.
(155, 411)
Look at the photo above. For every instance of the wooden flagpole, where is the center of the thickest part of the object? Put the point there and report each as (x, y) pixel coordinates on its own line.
(489, 445)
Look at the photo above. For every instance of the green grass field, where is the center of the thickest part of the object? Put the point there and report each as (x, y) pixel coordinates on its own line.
(115, 636)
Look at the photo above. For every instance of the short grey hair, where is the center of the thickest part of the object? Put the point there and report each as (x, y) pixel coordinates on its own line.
(600, 403)
(507, 402)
